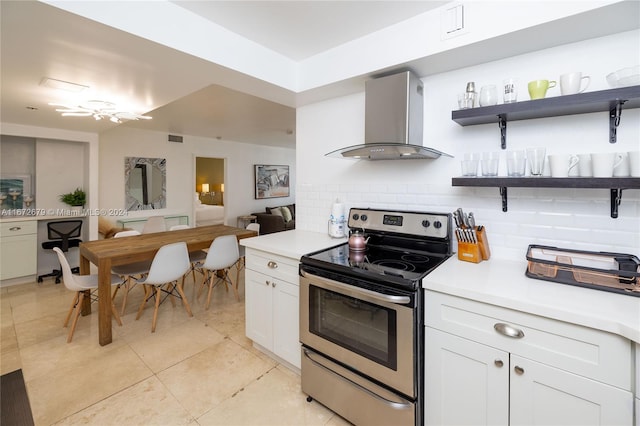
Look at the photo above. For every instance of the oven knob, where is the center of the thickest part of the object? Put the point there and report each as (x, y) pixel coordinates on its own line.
(437, 224)
(363, 217)
(426, 223)
(355, 216)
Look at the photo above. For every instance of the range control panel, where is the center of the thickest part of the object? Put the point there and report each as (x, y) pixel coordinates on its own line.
(432, 225)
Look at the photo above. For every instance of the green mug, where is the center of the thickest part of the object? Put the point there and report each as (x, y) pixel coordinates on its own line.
(538, 88)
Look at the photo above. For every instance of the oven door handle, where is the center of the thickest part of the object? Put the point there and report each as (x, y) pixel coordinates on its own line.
(362, 293)
(394, 404)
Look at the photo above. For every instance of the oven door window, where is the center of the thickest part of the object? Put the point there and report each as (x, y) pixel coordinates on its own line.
(361, 327)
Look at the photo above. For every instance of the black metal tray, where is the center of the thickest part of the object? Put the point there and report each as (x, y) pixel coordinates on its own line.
(614, 272)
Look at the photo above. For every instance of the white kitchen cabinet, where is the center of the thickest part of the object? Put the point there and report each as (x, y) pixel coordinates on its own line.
(18, 245)
(467, 383)
(546, 372)
(272, 304)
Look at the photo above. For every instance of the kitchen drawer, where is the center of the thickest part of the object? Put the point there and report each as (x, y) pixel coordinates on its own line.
(599, 355)
(10, 229)
(274, 265)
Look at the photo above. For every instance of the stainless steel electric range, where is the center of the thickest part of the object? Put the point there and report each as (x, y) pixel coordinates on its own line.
(362, 315)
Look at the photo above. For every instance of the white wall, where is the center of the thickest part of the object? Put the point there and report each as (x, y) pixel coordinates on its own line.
(577, 219)
(240, 158)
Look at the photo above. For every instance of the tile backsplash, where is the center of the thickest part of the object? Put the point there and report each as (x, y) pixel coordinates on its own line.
(568, 218)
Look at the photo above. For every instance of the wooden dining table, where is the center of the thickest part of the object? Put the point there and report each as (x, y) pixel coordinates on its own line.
(120, 251)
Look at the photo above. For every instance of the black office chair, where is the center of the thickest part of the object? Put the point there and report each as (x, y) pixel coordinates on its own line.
(63, 235)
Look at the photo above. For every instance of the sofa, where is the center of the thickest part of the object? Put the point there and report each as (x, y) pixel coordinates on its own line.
(276, 219)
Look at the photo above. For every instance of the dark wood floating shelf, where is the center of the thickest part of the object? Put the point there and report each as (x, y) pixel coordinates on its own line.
(614, 184)
(611, 100)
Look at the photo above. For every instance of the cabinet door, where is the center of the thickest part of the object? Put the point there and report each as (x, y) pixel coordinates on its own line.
(286, 331)
(466, 383)
(19, 256)
(259, 308)
(544, 395)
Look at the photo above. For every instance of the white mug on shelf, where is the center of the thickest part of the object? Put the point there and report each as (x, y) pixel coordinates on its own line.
(561, 164)
(604, 162)
(570, 83)
(584, 165)
(621, 169)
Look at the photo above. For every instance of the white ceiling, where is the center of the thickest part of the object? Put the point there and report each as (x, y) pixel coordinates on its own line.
(184, 94)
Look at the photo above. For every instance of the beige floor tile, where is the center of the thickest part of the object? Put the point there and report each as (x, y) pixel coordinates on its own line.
(6, 315)
(39, 302)
(274, 399)
(47, 357)
(208, 378)
(146, 403)
(171, 345)
(8, 339)
(65, 391)
(41, 329)
(10, 361)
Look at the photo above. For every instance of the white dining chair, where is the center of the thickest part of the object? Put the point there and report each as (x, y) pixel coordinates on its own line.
(81, 285)
(169, 265)
(241, 263)
(195, 257)
(129, 271)
(154, 224)
(223, 254)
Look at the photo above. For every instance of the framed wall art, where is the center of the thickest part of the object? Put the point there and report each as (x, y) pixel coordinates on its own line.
(15, 191)
(271, 181)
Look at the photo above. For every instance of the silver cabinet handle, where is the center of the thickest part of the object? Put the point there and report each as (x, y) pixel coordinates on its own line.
(519, 370)
(498, 363)
(272, 264)
(507, 330)
(15, 228)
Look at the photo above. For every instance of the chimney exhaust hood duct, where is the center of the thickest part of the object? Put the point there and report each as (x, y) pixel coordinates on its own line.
(393, 121)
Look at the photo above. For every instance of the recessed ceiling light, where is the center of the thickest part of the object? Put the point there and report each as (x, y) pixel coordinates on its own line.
(52, 83)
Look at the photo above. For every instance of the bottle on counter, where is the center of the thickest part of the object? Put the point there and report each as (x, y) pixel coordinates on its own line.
(337, 220)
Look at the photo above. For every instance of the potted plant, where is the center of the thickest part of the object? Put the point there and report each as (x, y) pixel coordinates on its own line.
(77, 198)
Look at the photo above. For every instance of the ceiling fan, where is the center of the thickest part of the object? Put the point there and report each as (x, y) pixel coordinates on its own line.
(98, 110)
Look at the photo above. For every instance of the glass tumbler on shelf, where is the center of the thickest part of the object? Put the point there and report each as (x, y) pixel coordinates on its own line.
(490, 162)
(488, 95)
(536, 157)
(516, 163)
(469, 164)
(509, 91)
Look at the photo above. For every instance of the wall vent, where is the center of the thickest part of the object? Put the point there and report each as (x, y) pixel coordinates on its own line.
(175, 138)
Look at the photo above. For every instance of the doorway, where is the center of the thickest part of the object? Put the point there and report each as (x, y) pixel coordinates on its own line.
(209, 186)
(210, 180)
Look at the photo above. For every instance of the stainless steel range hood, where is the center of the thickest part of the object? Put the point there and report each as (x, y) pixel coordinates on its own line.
(393, 121)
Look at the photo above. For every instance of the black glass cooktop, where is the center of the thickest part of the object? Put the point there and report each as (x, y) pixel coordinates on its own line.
(385, 263)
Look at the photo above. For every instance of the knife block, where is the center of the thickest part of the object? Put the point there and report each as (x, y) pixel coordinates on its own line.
(469, 252)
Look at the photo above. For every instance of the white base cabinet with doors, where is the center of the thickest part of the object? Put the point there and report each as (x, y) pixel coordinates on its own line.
(18, 245)
(271, 304)
(487, 364)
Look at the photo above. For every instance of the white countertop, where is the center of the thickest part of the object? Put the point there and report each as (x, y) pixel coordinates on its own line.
(19, 218)
(293, 244)
(503, 283)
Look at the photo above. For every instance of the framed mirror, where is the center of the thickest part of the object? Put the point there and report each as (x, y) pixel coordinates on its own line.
(145, 183)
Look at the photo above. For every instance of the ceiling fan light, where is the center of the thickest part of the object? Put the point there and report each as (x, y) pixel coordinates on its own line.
(98, 110)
